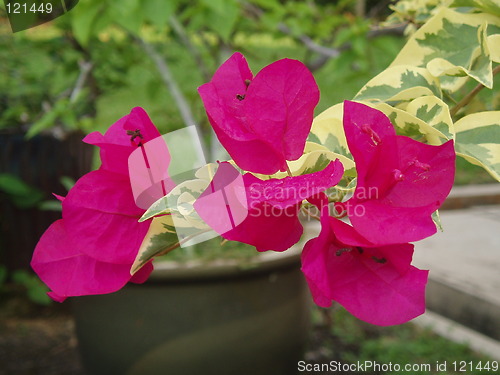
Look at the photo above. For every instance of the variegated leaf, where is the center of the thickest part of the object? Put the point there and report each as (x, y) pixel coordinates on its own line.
(437, 220)
(160, 238)
(315, 158)
(409, 125)
(453, 44)
(328, 130)
(493, 42)
(400, 83)
(478, 140)
(435, 113)
(488, 6)
(419, 11)
(427, 116)
(177, 201)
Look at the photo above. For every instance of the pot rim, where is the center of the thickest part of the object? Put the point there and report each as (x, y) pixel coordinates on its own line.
(224, 268)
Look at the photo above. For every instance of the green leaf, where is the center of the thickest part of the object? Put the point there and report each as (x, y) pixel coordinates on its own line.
(53, 205)
(67, 182)
(478, 140)
(400, 83)
(222, 16)
(35, 289)
(83, 20)
(158, 11)
(21, 194)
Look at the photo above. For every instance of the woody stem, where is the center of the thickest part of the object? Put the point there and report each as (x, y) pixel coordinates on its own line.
(467, 99)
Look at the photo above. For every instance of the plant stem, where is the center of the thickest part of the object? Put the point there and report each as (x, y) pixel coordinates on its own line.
(467, 98)
(183, 36)
(288, 171)
(169, 80)
(310, 214)
(85, 68)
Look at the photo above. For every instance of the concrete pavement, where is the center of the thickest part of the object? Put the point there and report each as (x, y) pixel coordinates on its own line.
(464, 264)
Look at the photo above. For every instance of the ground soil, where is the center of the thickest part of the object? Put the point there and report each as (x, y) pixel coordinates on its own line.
(37, 341)
(41, 340)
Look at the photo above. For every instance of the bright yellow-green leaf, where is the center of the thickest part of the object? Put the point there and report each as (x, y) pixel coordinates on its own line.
(478, 140)
(453, 44)
(399, 83)
(160, 237)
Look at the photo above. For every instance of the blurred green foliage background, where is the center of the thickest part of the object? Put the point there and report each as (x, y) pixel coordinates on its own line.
(89, 67)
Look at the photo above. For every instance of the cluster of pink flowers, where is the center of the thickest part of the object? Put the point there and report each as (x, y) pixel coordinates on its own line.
(362, 261)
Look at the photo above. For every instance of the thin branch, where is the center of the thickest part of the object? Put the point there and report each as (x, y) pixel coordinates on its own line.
(168, 79)
(467, 98)
(311, 44)
(310, 214)
(85, 68)
(181, 32)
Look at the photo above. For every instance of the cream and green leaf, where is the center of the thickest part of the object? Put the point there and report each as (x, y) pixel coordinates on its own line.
(478, 140)
(488, 6)
(427, 117)
(453, 45)
(160, 238)
(400, 83)
(328, 130)
(174, 219)
(178, 202)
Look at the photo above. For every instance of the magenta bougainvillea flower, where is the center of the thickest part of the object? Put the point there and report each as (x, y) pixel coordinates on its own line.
(91, 249)
(401, 182)
(261, 121)
(62, 264)
(272, 221)
(374, 283)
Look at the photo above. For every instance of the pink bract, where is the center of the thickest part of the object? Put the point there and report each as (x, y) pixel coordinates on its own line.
(401, 182)
(116, 145)
(91, 250)
(374, 283)
(272, 221)
(261, 121)
(60, 261)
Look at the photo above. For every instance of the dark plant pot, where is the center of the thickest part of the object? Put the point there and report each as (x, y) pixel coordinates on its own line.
(217, 319)
(40, 162)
